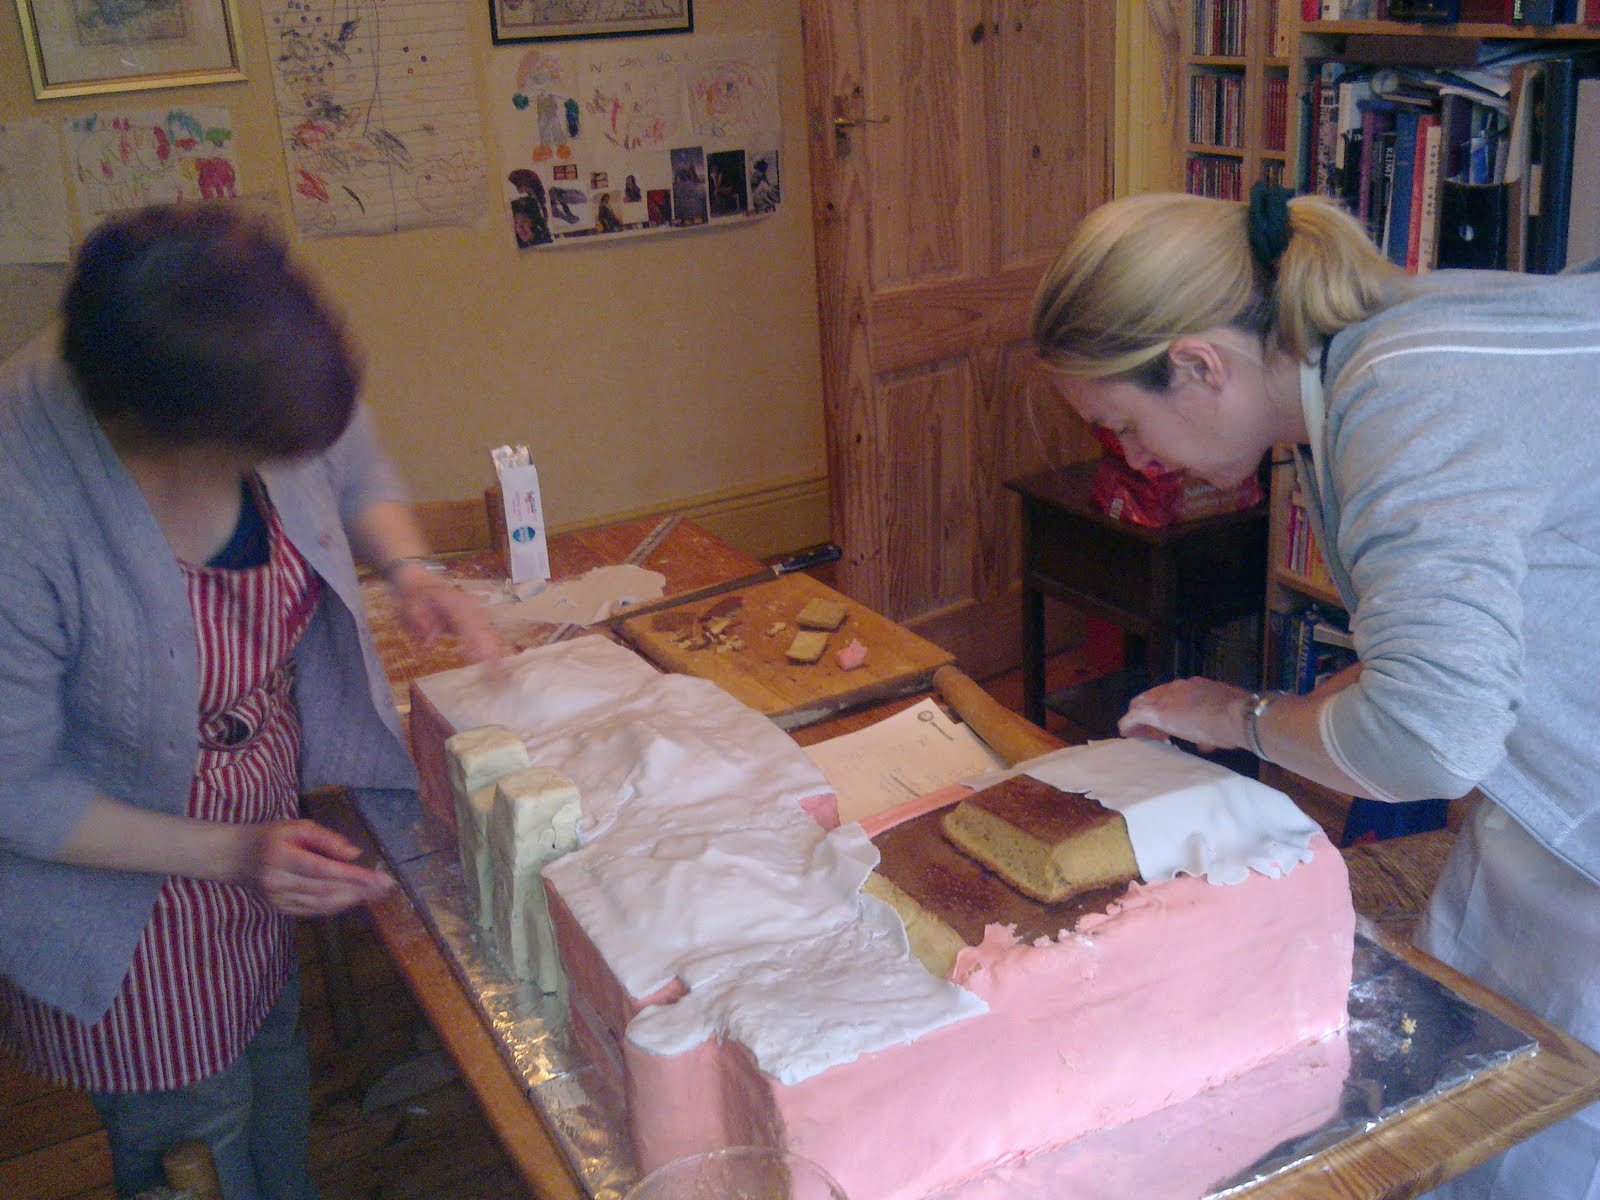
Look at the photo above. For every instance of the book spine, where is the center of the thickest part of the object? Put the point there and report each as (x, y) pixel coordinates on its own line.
(1555, 175)
(1405, 159)
(1427, 251)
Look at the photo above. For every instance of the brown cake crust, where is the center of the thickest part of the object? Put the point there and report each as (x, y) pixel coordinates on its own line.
(964, 895)
(1043, 841)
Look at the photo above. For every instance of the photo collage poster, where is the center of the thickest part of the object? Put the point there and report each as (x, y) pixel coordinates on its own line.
(613, 141)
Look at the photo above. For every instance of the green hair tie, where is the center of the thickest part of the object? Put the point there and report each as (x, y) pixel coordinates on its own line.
(1268, 222)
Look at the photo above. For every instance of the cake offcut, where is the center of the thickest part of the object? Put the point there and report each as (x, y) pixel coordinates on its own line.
(1047, 843)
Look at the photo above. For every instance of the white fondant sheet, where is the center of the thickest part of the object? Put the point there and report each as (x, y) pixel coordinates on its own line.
(1185, 815)
(698, 862)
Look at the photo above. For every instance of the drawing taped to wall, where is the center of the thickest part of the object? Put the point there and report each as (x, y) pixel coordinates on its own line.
(645, 138)
(379, 113)
(127, 160)
(33, 194)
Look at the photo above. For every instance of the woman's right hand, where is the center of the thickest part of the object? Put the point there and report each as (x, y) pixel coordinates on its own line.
(305, 869)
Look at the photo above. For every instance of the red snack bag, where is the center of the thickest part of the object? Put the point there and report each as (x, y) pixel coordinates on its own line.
(1153, 496)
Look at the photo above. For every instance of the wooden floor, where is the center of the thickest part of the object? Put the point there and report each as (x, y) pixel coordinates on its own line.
(391, 1121)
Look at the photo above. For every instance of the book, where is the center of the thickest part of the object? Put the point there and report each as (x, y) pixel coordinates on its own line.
(1518, 169)
(1397, 230)
(1560, 100)
(1426, 242)
(1494, 12)
(1583, 214)
(1473, 222)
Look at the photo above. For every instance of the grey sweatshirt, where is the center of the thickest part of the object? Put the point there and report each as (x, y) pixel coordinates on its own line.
(1461, 495)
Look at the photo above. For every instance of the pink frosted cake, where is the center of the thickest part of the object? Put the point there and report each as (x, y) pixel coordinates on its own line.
(1130, 1001)
(736, 977)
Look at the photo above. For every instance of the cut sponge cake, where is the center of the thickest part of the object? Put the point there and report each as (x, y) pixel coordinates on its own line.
(1047, 843)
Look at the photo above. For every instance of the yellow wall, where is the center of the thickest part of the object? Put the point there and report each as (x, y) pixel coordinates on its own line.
(645, 374)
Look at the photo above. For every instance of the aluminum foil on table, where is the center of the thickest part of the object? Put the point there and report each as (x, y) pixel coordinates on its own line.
(1410, 1039)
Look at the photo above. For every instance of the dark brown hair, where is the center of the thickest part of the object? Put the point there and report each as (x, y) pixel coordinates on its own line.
(190, 321)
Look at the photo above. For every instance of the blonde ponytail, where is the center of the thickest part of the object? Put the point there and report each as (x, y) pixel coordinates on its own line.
(1141, 271)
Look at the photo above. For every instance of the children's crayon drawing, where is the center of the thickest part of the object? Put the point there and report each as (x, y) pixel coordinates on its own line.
(612, 140)
(379, 113)
(130, 159)
(33, 195)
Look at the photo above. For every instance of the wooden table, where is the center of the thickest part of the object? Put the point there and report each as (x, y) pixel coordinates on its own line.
(689, 557)
(1406, 1156)
(1156, 585)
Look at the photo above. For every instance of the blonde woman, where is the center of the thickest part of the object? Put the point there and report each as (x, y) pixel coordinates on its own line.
(1447, 429)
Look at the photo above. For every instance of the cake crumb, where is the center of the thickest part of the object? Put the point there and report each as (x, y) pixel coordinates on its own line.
(776, 628)
(1408, 1023)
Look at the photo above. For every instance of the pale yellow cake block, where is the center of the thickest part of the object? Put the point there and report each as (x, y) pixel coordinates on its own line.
(533, 822)
(474, 760)
(1047, 843)
(543, 958)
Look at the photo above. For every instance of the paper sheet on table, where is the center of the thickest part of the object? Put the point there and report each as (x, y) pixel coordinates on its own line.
(594, 596)
(916, 751)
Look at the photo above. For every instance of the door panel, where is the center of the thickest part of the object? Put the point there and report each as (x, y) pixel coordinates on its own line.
(976, 134)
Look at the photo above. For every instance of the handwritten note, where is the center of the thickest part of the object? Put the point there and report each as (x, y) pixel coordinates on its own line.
(379, 113)
(127, 160)
(33, 194)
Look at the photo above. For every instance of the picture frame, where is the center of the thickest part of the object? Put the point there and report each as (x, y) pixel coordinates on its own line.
(514, 21)
(95, 47)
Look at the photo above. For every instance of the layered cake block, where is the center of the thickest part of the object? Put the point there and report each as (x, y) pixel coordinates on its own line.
(1077, 1014)
(744, 970)
(1046, 843)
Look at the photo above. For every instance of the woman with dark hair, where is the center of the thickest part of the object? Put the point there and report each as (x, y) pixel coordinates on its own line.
(1446, 432)
(185, 485)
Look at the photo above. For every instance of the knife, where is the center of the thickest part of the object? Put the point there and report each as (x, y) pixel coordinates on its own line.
(800, 560)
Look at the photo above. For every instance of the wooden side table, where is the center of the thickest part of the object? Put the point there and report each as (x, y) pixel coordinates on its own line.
(1156, 585)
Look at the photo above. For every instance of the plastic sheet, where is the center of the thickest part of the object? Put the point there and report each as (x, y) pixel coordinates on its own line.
(1411, 1040)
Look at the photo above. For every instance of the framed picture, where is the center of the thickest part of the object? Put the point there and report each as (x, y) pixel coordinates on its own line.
(543, 21)
(89, 47)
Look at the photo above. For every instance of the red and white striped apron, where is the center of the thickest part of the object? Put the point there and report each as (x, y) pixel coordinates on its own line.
(214, 956)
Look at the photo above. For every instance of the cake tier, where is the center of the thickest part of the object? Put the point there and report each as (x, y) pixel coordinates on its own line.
(1173, 988)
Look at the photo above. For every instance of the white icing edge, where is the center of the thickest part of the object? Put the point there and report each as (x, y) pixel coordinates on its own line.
(1185, 815)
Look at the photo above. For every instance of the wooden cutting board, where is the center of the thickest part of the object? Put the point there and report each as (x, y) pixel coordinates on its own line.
(749, 663)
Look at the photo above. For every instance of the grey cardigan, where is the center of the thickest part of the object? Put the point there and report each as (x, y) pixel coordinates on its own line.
(1461, 494)
(99, 689)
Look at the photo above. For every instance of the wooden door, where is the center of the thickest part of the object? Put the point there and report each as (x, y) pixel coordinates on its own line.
(954, 143)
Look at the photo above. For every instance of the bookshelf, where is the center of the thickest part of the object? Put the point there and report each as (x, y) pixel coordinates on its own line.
(1234, 112)
(1296, 589)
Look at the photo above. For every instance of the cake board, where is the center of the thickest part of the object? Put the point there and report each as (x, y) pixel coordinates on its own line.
(1455, 1044)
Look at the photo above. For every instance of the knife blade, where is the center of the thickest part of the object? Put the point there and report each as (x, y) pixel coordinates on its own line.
(800, 560)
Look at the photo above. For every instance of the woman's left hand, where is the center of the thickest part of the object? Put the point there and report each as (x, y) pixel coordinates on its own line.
(429, 607)
(1209, 714)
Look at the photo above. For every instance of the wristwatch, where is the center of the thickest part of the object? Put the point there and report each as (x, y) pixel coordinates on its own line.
(1254, 710)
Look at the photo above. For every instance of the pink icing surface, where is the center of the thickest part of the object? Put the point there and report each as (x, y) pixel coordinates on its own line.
(1183, 986)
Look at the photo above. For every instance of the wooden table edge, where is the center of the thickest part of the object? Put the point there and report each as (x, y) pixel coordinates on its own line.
(538, 1161)
(1564, 1070)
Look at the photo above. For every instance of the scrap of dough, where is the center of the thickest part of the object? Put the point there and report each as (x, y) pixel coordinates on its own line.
(851, 656)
